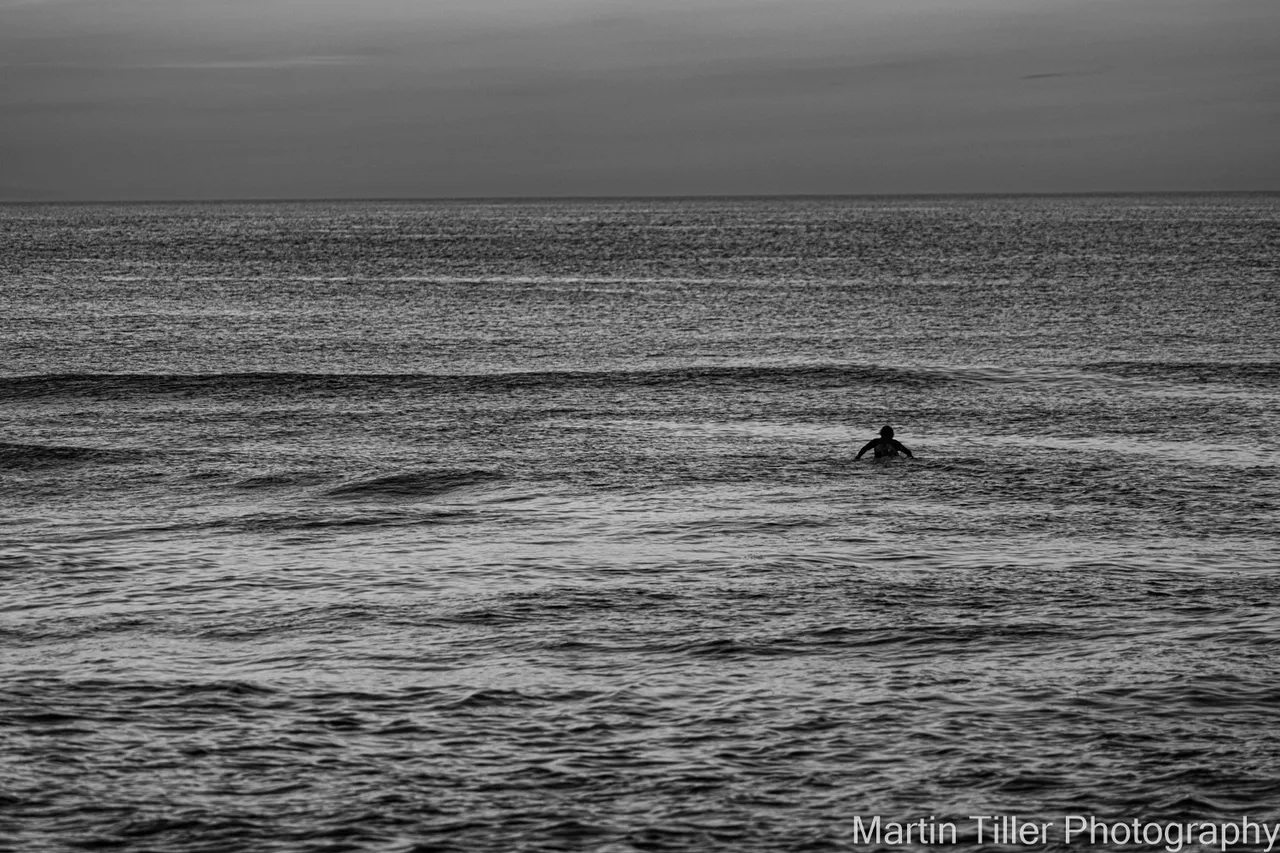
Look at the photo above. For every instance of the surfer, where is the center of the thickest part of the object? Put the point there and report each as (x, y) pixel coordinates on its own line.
(885, 445)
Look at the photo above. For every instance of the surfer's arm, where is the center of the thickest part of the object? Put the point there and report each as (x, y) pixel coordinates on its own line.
(870, 444)
(902, 447)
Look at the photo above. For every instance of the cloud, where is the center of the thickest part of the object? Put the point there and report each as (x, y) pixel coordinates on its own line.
(1048, 75)
(283, 62)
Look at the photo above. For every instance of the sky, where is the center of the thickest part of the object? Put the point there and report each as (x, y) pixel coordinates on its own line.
(243, 99)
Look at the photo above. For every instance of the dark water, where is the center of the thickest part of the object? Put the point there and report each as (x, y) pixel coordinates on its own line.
(536, 526)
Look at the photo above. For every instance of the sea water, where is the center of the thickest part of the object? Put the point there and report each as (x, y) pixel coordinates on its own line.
(495, 526)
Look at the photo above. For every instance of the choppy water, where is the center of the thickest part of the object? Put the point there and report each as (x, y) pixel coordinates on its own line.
(536, 526)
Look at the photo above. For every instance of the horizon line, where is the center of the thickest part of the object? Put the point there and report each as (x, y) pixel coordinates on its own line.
(655, 197)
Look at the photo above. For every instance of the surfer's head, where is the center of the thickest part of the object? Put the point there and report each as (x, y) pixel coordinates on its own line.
(886, 431)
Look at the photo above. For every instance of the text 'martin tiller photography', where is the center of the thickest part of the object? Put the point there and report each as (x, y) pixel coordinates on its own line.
(1082, 830)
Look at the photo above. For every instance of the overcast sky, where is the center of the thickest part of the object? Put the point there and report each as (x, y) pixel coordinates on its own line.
(159, 99)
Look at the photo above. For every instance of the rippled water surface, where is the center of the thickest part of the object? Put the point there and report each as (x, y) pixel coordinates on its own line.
(537, 526)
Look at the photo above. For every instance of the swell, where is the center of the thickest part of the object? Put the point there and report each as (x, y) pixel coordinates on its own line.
(115, 386)
(1247, 373)
(411, 484)
(16, 456)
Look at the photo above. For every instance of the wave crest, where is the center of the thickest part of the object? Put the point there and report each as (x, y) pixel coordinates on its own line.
(412, 484)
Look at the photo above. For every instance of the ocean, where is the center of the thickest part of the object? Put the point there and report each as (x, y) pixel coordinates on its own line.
(537, 525)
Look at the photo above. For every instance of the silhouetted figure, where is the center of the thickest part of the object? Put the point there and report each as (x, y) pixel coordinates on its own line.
(885, 445)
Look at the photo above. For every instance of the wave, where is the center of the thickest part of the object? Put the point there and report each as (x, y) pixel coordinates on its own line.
(26, 456)
(279, 481)
(301, 521)
(1249, 373)
(114, 386)
(412, 484)
(309, 521)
